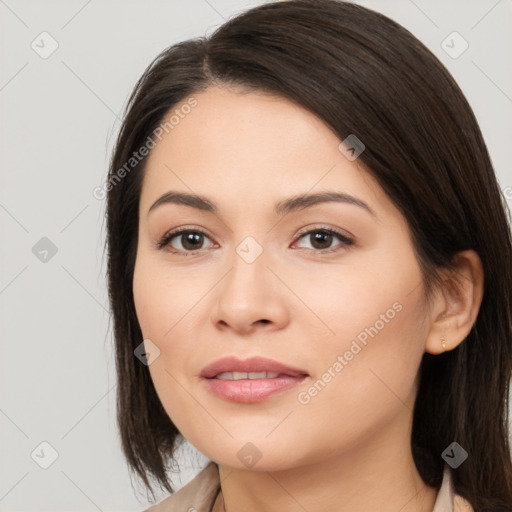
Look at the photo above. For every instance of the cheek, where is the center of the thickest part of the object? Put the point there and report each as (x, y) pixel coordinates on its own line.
(374, 343)
(168, 317)
(163, 296)
(363, 300)
(367, 372)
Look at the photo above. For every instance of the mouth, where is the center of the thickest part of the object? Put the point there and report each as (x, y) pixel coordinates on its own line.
(249, 375)
(251, 380)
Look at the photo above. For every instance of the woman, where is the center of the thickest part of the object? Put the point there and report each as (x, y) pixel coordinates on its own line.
(309, 271)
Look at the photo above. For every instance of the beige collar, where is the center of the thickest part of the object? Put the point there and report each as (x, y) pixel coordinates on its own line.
(203, 494)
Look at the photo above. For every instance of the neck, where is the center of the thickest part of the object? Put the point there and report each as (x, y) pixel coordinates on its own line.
(377, 474)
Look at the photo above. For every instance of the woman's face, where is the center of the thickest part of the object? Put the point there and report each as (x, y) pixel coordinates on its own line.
(347, 310)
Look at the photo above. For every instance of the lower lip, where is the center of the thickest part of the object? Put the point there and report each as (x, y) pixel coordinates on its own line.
(251, 390)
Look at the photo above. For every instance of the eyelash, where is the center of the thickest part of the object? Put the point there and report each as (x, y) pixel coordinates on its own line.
(166, 239)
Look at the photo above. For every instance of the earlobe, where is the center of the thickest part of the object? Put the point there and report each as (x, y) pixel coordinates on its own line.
(457, 304)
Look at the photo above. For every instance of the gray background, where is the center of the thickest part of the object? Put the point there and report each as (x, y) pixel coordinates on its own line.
(59, 118)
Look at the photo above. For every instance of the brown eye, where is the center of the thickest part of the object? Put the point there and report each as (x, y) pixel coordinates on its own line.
(191, 241)
(321, 239)
(184, 241)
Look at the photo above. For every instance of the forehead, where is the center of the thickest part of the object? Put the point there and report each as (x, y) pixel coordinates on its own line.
(229, 124)
(245, 146)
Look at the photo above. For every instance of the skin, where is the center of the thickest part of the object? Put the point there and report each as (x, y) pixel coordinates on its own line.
(348, 449)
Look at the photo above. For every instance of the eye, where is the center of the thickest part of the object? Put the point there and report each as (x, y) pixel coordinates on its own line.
(190, 240)
(187, 242)
(322, 238)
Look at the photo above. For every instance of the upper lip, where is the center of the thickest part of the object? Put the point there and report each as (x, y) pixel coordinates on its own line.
(253, 364)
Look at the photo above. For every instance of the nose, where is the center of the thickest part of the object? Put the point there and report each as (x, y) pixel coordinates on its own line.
(250, 297)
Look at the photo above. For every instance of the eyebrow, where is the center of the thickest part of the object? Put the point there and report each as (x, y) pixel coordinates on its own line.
(294, 203)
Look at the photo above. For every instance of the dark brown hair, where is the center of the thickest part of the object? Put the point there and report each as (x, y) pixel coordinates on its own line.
(363, 74)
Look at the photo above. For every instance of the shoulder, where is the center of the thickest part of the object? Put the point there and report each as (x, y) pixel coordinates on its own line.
(198, 495)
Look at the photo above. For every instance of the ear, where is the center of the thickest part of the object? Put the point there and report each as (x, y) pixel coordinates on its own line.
(456, 304)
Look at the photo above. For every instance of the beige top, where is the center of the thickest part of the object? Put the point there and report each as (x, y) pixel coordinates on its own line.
(203, 494)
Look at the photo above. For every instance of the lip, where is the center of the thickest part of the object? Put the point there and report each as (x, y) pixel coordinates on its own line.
(253, 364)
(250, 390)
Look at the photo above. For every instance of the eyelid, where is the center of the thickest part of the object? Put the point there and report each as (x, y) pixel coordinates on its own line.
(324, 227)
